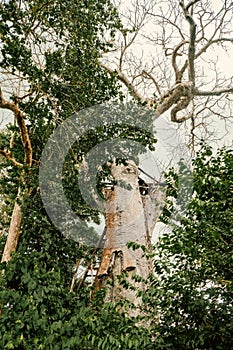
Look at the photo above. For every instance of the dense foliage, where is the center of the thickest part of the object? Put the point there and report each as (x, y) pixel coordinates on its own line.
(50, 69)
(192, 291)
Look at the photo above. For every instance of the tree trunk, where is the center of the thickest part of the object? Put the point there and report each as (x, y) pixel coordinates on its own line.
(16, 218)
(131, 215)
(14, 231)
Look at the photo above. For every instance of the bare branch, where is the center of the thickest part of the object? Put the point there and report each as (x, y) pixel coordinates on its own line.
(219, 92)
(125, 47)
(181, 104)
(174, 50)
(217, 28)
(204, 49)
(179, 95)
(6, 104)
(191, 4)
(178, 73)
(12, 140)
(121, 76)
(192, 39)
(211, 42)
(25, 96)
(154, 81)
(167, 20)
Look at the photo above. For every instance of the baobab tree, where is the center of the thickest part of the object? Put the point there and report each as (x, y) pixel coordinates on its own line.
(180, 77)
(175, 80)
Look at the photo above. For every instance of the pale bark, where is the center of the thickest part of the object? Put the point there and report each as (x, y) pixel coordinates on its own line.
(16, 218)
(14, 231)
(130, 217)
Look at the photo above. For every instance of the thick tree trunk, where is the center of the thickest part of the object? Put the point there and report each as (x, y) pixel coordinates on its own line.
(14, 231)
(130, 217)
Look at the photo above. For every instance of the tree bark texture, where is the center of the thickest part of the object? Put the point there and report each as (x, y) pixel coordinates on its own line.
(131, 216)
(14, 231)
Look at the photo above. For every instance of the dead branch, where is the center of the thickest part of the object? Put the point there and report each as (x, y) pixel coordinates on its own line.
(168, 21)
(192, 43)
(75, 275)
(81, 282)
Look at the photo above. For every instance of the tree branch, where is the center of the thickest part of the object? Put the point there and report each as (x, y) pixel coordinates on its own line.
(191, 4)
(181, 104)
(124, 80)
(219, 92)
(211, 42)
(22, 126)
(192, 39)
(8, 156)
(154, 81)
(217, 28)
(178, 73)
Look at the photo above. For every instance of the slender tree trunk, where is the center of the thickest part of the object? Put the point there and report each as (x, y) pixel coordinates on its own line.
(16, 218)
(14, 230)
(130, 217)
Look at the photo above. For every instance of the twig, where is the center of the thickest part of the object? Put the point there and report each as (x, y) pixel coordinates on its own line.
(219, 92)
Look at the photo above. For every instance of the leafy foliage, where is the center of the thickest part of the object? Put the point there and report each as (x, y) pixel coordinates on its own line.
(37, 309)
(49, 54)
(192, 289)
